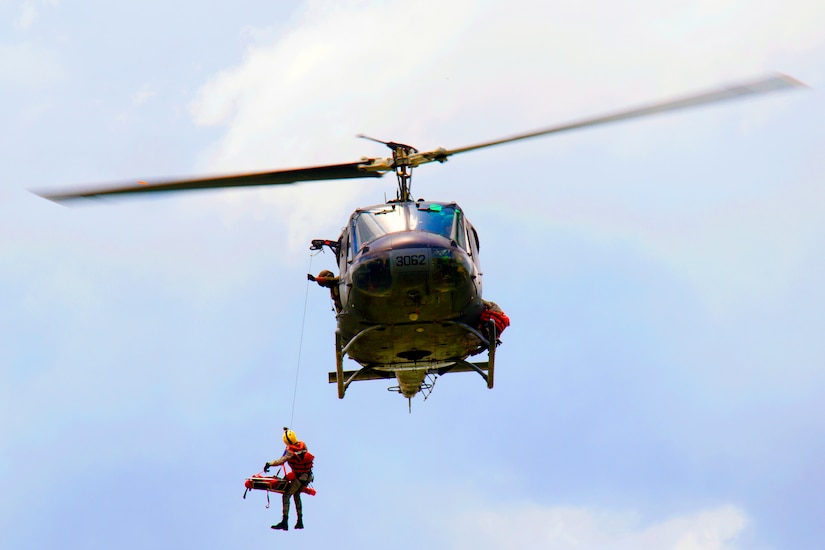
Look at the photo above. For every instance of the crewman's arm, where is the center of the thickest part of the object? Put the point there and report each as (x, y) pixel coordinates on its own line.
(279, 461)
(325, 281)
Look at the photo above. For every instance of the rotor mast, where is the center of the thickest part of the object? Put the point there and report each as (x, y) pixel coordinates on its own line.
(403, 169)
(403, 163)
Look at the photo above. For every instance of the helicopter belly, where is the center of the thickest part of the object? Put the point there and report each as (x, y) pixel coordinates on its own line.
(414, 355)
(414, 343)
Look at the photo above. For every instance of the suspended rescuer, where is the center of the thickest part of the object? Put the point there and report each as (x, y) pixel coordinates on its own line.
(300, 461)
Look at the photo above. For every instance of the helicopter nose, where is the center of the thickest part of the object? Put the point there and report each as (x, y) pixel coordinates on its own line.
(450, 268)
(441, 268)
(373, 275)
(437, 268)
(412, 262)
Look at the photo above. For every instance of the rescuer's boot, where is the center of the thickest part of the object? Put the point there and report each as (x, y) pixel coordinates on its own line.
(283, 526)
(300, 523)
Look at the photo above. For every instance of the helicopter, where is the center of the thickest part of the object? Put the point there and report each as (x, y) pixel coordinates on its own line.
(408, 295)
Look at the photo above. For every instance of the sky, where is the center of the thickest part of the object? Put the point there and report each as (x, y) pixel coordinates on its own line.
(659, 386)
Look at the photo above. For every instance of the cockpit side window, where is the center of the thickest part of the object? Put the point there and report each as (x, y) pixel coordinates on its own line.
(345, 250)
(459, 231)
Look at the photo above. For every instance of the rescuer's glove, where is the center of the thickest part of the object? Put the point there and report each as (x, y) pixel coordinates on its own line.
(266, 467)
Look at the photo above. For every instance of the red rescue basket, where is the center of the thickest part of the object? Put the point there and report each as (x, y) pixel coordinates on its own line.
(271, 484)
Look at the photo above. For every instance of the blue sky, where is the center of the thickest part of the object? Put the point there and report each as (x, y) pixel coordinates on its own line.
(660, 385)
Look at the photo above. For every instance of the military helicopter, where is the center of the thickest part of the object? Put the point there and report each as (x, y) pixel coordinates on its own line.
(408, 296)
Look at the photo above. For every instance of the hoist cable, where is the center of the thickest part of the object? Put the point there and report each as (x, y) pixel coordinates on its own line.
(300, 344)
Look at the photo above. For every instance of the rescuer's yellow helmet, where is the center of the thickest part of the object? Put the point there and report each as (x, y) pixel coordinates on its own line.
(289, 437)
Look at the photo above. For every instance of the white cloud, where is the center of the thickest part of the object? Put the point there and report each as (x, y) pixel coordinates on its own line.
(462, 72)
(527, 525)
(23, 65)
(324, 79)
(30, 11)
(138, 100)
(401, 73)
(143, 95)
(338, 64)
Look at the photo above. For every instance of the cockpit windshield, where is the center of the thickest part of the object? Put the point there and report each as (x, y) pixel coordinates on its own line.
(373, 223)
(444, 220)
(440, 219)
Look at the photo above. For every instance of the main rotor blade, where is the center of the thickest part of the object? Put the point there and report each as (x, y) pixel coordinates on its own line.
(765, 85)
(279, 177)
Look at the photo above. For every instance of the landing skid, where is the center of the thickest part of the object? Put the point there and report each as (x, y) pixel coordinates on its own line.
(485, 369)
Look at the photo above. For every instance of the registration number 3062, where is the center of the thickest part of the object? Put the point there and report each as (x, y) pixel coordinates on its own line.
(410, 259)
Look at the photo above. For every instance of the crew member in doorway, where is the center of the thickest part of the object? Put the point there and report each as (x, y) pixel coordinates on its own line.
(327, 279)
(494, 313)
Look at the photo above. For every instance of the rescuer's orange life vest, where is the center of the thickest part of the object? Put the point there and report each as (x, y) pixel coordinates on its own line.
(301, 460)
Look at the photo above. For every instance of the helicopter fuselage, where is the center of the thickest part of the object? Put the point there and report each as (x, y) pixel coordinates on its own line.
(409, 290)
